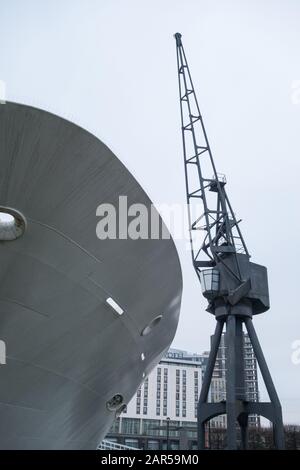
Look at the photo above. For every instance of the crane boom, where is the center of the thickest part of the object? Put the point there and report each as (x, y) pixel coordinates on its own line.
(214, 229)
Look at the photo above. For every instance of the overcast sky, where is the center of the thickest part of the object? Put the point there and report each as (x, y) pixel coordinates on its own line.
(110, 66)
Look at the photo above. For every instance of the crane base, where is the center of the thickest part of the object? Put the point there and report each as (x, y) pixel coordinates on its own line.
(236, 407)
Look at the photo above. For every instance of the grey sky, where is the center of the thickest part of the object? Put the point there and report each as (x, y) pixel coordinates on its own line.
(110, 66)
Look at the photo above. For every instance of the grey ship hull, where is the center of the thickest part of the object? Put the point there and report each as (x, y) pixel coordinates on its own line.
(68, 353)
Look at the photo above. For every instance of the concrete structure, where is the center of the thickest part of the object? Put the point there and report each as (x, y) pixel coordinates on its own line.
(73, 361)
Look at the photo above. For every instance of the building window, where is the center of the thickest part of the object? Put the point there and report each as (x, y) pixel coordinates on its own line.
(165, 411)
(130, 426)
(165, 387)
(184, 413)
(149, 427)
(174, 445)
(153, 445)
(177, 372)
(177, 411)
(115, 427)
(132, 443)
(144, 410)
(157, 411)
(138, 410)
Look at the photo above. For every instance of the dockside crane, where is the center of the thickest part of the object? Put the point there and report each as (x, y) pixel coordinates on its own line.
(235, 288)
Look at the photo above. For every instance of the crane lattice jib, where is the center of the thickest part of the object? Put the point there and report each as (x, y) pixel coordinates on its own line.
(214, 229)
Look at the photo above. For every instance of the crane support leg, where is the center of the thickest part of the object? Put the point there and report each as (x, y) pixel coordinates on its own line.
(207, 381)
(243, 422)
(236, 406)
(231, 381)
(277, 412)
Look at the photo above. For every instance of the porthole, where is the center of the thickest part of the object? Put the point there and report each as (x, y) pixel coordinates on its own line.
(115, 402)
(12, 224)
(147, 330)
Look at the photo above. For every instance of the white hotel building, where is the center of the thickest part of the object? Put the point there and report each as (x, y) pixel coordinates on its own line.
(163, 412)
(167, 398)
(171, 389)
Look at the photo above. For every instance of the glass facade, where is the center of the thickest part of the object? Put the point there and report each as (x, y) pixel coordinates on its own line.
(172, 432)
(130, 426)
(132, 443)
(153, 444)
(149, 425)
(115, 426)
(152, 433)
(192, 432)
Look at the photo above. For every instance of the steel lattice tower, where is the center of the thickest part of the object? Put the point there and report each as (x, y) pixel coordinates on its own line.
(236, 288)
